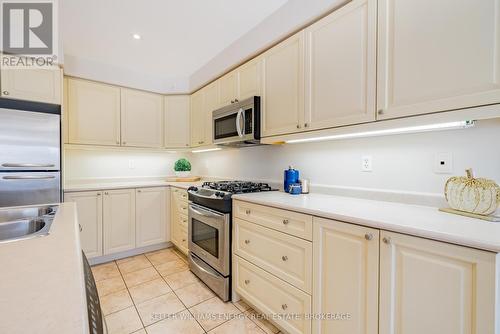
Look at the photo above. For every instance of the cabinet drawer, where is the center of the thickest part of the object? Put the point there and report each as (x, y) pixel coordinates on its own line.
(293, 223)
(183, 221)
(182, 208)
(273, 297)
(287, 257)
(180, 194)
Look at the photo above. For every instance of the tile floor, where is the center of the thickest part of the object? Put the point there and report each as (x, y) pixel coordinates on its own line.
(156, 293)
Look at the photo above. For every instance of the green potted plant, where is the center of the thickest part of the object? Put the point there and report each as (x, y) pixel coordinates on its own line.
(182, 167)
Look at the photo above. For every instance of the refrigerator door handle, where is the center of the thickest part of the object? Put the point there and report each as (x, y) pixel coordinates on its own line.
(13, 165)
(28, 177)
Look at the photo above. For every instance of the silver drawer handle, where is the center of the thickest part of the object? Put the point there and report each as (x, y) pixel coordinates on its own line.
(386, 240)
(247, 241)
(247, 281)
(29, 177)
(284, 258)
(284, 306)
(368, 236)
(12, 165)
(183, 240)
(247, 212)
(285, 221)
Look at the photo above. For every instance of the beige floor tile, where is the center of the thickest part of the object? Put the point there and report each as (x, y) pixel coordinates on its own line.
(134, 264)
(241, 305)
(213, 312)
(140, 331)
(149, 290)
(261, 321)
(194, 294)
(115, 301)
(181, 279)
(162, 256)
(240, 325)
(180, 323)
(140, 276)
(105, 271)
(127, 259)
(107, 286)
(159, 308)
(124, 322)
(171, 267)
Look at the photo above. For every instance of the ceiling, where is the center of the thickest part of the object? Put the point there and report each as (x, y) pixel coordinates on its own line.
(177, 37)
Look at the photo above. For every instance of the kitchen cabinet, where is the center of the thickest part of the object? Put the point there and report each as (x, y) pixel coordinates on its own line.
(65, 110)
(346, 273)
(119, 220)
(177, 121)
(437, 56)
(341, 67)
(89, 210)
(198, 119)
(94, 113)
(142, 119)
(283, 87)
(39, 85)
(249, 75)
(179, 218)
(228, 86)
(435, 288)
(152, 225)
(211, 92)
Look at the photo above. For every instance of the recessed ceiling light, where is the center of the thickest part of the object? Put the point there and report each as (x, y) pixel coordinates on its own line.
(136, 36)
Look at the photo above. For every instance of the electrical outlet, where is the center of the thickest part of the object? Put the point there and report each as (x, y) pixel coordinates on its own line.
(131, 164)
(443, 163)
(366, 164)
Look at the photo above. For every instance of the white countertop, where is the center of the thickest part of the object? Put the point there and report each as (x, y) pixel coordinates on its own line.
(415, 220)
(42, 287)
(109, 185)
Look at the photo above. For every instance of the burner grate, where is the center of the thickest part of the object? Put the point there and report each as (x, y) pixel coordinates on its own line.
(238, 187)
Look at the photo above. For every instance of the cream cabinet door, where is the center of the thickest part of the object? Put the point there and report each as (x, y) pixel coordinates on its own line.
(119, 220)
(346, 276)
(212, 92)
(228, 86)
(151, 216)
(89, 210)
(94, 113)
(341, 55)
(198, 119)
(177, 126)
(283, 87)
(40, 85)
(437, 55)
(435, 288)
(141, 119)
(250, 75)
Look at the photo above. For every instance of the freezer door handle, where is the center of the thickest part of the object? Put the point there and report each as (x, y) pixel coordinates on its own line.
(12, 165)
(28, 177)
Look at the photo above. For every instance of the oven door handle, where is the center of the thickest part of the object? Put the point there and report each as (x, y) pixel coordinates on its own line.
(204, 213)
(201, 267)
(239, 129)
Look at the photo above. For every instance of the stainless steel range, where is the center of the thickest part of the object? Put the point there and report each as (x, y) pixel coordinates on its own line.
(209, 231)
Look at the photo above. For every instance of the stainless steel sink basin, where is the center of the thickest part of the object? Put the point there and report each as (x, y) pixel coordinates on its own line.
(25, 222)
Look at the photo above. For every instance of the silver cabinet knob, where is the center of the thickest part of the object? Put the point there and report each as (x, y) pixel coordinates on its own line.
(5, 92)
(124, 143)
(236, 100)
(98, 194)
(232, 101)
(368, 236)
(284, 258)
(247, 281)
(247, 241)
(380, 111)
(118, 142)
(284, 306)
(386, 240)
(285, 221)
(183, 240)
(80, 227)
(247, 212)
(139, 190)
(106, 193)
(298, 126)
(306, 125)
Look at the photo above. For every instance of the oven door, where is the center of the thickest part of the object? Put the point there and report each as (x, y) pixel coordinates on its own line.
(209, 237)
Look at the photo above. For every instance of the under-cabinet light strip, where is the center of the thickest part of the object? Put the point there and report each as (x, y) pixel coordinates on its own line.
(207, 150)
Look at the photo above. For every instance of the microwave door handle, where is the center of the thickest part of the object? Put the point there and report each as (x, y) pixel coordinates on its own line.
(238, 122)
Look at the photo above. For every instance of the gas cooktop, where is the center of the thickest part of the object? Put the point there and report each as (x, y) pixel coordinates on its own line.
(237, 187)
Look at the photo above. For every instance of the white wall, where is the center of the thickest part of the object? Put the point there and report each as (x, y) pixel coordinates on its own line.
(400, 162)
(92, 164)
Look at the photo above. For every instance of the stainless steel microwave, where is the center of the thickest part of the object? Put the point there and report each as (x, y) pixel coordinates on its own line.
(237, 124)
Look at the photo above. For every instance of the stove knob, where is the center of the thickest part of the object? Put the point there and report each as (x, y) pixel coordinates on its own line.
(217, 194)
(193, 188)
(221, 195)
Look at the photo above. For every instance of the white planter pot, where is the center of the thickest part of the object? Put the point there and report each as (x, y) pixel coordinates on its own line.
(182, 174)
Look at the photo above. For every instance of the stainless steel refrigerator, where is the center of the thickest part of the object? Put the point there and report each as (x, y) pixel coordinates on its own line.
(30, 153)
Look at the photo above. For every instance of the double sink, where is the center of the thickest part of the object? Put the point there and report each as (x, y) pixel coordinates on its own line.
(26, 222)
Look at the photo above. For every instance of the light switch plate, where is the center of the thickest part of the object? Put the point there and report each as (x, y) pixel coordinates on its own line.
(443, 163)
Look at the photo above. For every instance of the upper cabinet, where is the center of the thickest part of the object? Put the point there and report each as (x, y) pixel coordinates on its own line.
(198, 119)
(341, 67)
(94, 113)
(40, 85)
(437, 55)
(212, 94)
(177, 121)
(249, 79)
(141, 119)
(228, 88)
(283, 87)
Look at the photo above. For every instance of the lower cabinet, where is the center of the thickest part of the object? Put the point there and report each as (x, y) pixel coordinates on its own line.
(89, 206)
(151, 215)
(346, 271)
(119, 220)
(179, 218)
